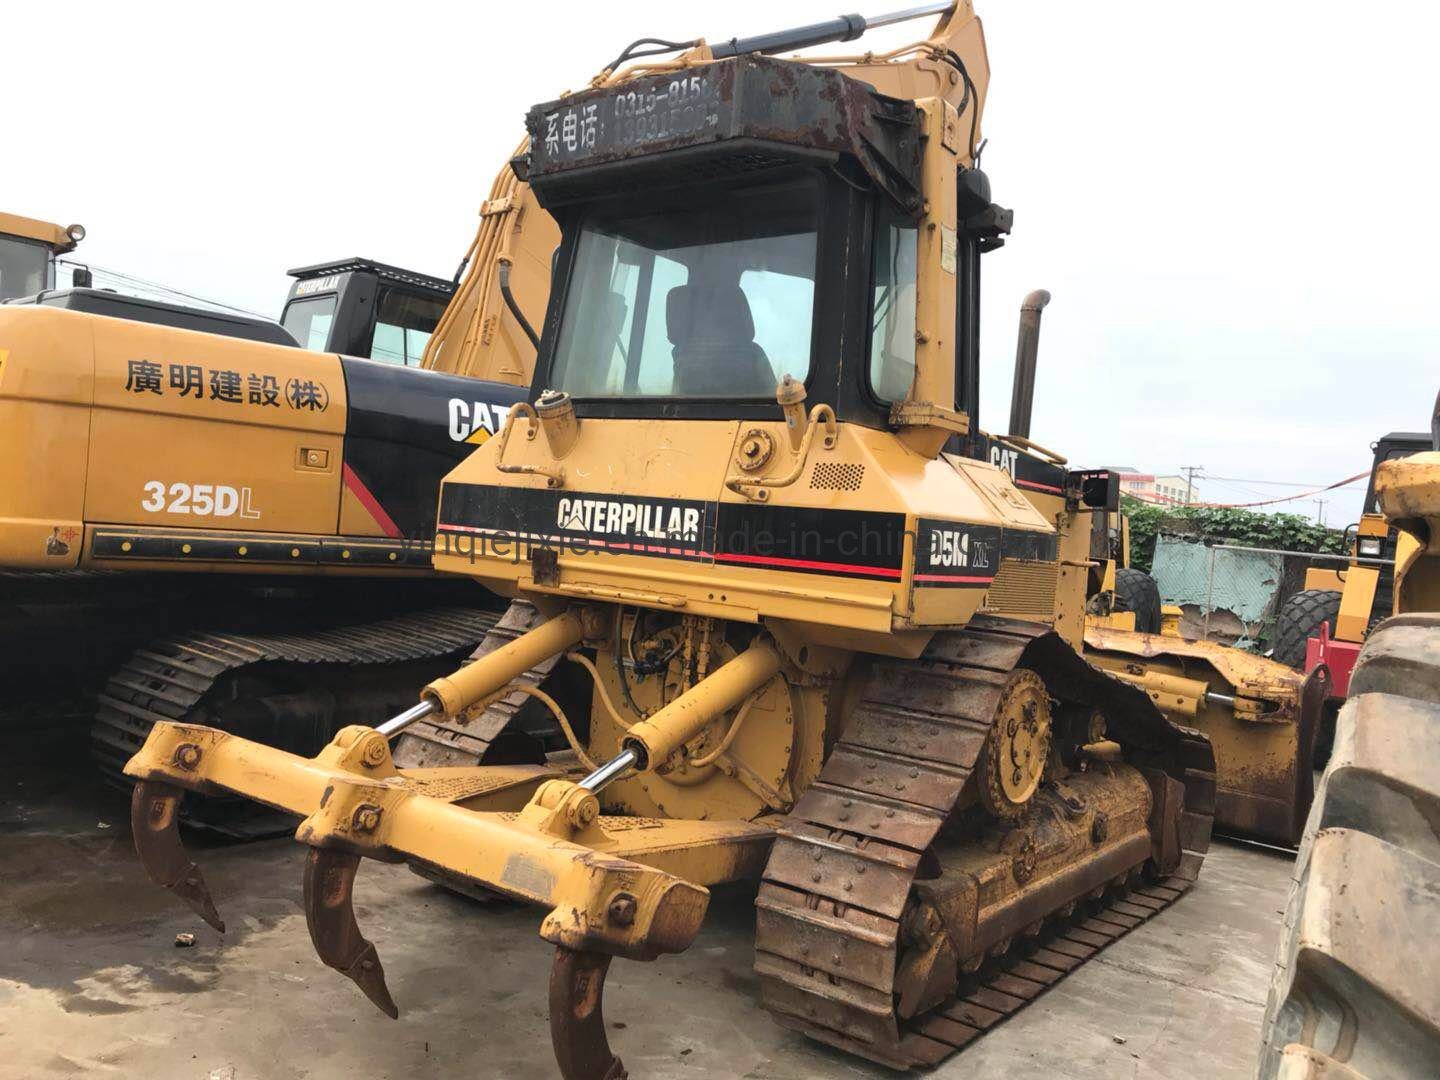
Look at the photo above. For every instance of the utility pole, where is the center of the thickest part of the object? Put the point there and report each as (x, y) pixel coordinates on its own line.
(1190, 471)
(1320, 511)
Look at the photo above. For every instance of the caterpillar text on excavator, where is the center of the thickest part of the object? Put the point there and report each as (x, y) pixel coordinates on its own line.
(796, 623)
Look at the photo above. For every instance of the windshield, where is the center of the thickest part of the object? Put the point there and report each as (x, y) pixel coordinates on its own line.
(24, 268)
(680, 303)
(309, 321)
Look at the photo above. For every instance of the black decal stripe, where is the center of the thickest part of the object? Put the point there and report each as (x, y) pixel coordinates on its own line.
(965, 555)
(812, 540)
(397, 434)
(805, 540)
(155, 545)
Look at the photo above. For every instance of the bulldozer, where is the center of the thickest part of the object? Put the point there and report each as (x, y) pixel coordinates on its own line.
(199, 519)
(1262, 718)
(1354, 993)
(823, 641)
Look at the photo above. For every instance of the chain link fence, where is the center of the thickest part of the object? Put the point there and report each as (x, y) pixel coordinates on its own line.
(1231, 593)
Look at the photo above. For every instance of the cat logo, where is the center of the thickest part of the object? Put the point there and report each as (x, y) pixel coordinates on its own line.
(1004, 459)
(474, 422)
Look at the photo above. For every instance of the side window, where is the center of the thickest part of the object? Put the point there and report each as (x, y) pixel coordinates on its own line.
(403, 324)
(309, 321)
(892, 322)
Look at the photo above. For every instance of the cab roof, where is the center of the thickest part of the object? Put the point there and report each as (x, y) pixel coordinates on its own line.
(55, 237)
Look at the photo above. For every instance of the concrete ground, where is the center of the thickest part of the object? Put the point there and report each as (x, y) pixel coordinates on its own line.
(91, 983)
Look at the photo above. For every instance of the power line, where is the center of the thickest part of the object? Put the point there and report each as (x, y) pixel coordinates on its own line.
(1263, 502)
(1263, 483)
(155, 285)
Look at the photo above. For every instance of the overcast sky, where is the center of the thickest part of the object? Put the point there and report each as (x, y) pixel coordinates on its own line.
(1234, 205)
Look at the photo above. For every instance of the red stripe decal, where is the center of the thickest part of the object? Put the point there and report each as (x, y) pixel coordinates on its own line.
(1039, 487)
(807, 564)
(360, 491)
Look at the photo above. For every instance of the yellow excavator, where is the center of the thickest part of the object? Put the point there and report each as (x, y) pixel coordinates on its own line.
(200, 520)
(821, 640)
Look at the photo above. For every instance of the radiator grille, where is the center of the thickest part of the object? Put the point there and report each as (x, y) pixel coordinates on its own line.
(834, 476)
(1023, 588)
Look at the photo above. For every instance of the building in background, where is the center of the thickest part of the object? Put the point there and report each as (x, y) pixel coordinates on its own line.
(1147, 487)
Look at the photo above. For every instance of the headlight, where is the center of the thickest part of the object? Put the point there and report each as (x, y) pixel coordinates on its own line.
(1370, 547)
(76, 233)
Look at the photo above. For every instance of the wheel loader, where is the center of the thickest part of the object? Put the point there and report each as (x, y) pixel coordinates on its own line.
(1327, 621)
(822, 642)
(200, 520)
(1354, 992)
(28, 250)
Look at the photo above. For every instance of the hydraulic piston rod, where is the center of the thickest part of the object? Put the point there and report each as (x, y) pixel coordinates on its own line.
(843, 28)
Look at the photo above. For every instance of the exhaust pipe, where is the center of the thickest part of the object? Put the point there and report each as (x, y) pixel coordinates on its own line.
(1027, 350)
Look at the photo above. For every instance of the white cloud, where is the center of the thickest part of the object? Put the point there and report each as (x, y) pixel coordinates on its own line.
(1233, 204)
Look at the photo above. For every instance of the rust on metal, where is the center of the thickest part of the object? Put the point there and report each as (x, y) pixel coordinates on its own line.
(877, 935)
(155, 826)
(330, 915)
(577, 1020)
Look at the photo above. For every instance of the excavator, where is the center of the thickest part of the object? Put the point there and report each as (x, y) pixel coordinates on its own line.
(1354, 993)
(222, 525)
(794, 623)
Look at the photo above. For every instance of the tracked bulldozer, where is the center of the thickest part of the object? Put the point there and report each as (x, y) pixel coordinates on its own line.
(821, 641)
(1262, 718)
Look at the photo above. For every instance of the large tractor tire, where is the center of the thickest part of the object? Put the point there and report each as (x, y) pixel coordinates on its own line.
(1136, 591)
(1355, 992)
(1300, 619)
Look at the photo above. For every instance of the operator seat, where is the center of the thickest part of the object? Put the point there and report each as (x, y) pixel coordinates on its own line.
(715, 352)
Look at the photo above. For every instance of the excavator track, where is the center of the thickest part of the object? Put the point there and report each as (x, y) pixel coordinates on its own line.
(183, 678)
(839, 885)
(466, 739)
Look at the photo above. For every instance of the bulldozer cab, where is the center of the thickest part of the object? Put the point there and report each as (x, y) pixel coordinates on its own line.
(358, 307)
(696, 272)
(28, 250)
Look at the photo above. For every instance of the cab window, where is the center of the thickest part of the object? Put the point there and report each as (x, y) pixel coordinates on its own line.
(24, 268)
(310, 320)
(403, 324)
(675, 303)
(892, 311)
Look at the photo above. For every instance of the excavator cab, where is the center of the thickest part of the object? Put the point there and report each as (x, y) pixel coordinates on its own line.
(28, 250)
(359, 307)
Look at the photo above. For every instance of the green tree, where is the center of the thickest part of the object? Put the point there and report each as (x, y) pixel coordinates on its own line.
(1288, 532)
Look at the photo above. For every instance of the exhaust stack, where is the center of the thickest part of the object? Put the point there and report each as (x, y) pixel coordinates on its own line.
(1027, 350)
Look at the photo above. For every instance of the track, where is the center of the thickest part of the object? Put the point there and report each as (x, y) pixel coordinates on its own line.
(831, 925)
(466, 739)
(288, 689)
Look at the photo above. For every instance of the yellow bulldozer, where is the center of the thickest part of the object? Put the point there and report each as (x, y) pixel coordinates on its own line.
(1262, 718)
(826, 638)
(1354, 993)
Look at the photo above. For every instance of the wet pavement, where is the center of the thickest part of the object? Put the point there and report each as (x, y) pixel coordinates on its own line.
(92, 984)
